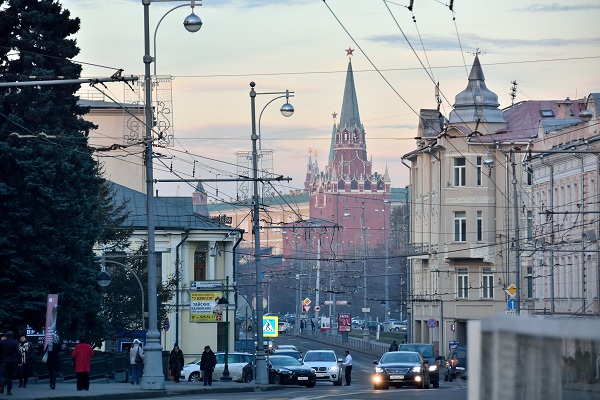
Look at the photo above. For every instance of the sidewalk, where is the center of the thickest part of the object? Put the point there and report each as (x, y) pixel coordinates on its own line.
(112, 390)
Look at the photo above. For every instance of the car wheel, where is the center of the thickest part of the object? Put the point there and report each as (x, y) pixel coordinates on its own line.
(277, 380)
(396, 329)
(247, 378)
(195, 377)
(311, 384)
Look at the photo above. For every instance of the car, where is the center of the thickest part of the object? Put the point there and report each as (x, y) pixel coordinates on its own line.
(401, 368)
(288, 352)
(286, 347)
(398, 326)
(456, 364)
(236, 361)
(285, 327)
(374, 326)
(427, 351)
(326, 364)
(291, 318)
(284, 370)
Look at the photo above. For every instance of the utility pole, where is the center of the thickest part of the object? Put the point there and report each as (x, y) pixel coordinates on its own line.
(517, 235)
(366, 334)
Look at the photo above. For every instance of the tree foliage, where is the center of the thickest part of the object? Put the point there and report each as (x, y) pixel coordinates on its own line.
(53, 202)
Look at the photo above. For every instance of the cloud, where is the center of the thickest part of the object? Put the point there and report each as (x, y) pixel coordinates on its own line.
(559, 7)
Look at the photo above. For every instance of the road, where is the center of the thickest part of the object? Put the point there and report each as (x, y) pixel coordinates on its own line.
(361, 387)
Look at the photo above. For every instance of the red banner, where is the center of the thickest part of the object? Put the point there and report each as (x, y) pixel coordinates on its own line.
(344, 322)
(51, 314)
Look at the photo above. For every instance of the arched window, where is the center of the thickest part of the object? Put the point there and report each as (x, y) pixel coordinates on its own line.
(354, 185)
(200, 263)
(367, 185)
(380, 185)
(341, 184)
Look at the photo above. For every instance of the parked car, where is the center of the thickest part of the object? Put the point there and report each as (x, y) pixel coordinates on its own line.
(374, 325)
(326, 365)
(401, 368)
(236, 361)
(398, 326)
(291, 318)
(286, 347)
(288, 352)
(456, 363)
(434, 361)
(285, 327)
(284, 370)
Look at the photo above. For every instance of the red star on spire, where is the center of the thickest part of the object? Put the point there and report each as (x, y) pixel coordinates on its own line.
(334, 115)
(349, 51)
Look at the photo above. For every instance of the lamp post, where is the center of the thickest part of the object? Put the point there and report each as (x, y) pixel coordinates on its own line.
(386, 302)
(286, 110)
(153, 377)
(224, 301)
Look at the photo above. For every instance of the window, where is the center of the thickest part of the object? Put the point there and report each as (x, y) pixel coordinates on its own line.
(547, 113)
(200, 265)
(529, 282)
(487, 284)
(463, 284)
(460, 171)
(460, 226)
(479, 226)
(529, 172)
(529, 225)
(478, 171)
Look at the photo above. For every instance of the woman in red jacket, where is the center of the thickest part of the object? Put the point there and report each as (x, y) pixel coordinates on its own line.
(82, 354)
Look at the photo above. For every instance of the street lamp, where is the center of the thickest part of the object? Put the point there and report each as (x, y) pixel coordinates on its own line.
(286, 110)
(153, 377)
(386, 307)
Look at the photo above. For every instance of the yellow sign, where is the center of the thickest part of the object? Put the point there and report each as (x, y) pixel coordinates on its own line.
(511, 290)
(204, 307)
(306, 302)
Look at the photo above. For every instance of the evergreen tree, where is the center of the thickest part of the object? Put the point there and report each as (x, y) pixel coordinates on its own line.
(53, 202)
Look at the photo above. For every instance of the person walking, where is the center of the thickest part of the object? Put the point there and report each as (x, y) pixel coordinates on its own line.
(136, 358)
(176, 362)
(25, 362)
(82, 354)
(9, 354)
(53, 349)
(312, 323)
(394, 346)
(301, 326)
(348, 367)
(207, 365)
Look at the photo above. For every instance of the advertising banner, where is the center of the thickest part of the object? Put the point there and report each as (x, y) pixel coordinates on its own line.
(204, 307)
(344, 322)
(51, 315)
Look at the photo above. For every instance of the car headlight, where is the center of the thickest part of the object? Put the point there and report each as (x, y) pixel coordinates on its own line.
(283, 371)
(416, 369)
(334, 368)
(378, 370)
(313, 370)
(432, 368)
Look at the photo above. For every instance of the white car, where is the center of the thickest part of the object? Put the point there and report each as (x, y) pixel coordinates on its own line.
(286, 347)
(236, 361)
(285, 327)
(326, 365)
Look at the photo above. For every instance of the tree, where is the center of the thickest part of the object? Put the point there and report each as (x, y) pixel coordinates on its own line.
(53, 202)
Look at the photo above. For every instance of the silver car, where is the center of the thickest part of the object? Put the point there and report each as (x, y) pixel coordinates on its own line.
(326, 365)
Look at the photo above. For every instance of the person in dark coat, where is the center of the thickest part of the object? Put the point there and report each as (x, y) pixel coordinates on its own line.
(53, 363)
(82, 354)
(176, 362)
(394, 346)
(207, 365)
(9, 354)
(25, 361)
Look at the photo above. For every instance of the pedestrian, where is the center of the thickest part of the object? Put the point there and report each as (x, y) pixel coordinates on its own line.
(394, 346)
(53, 349)
(348, 367)
(25, 362)
(176, 362)
(207, 365)
(82, 354)
(136, 358)
(9, 354)
(312, 323)
(301, 326)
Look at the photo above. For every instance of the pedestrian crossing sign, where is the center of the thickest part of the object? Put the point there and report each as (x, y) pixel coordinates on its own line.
(270, 326)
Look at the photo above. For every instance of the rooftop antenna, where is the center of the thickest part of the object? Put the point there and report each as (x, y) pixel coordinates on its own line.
(513, 92)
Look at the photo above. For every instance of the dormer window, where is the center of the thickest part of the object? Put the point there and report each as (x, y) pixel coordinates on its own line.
(547, 113)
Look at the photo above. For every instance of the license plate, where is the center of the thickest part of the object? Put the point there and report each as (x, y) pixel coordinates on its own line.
(303, 378)
(460, 369)
(396, 377)
(320, 375)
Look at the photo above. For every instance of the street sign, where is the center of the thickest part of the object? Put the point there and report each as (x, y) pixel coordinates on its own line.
(510, 312)
(432, 323)
(270, 326)
(317, 308)
(306, 308)
(452, 343)
(511, 304)
(328, 302)
(511, 290)
(341, 302)
(365, 309)
(306, 302)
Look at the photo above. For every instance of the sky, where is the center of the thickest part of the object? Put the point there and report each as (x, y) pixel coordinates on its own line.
(552, 51)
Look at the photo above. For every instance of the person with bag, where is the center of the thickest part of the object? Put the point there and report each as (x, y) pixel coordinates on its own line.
(136, 358)
(176, 362)
(9, 354)
(25, 362)
(52, 356)
(82, 354)
(207, 365)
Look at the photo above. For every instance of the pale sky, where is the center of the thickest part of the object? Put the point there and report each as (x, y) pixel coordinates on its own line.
(551, 49)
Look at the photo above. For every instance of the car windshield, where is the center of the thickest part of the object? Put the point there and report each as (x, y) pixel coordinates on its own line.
(284, 361)
(320, 356)
(390, 358)
(288, 353)
(425, 351)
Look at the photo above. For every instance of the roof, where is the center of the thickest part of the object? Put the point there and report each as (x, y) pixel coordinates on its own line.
(275, 201)
(169, 212)
(349, 116)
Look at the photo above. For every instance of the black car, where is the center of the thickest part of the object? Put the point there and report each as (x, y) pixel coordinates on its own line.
(290, 353)
(456, 365)
(427, 351)
(401, 368)
(284, 370)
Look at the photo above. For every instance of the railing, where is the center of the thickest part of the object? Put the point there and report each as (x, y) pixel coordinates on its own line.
(415, 249)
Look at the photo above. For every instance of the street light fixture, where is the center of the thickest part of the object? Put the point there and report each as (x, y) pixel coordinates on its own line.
(153, 377)
(286, 110)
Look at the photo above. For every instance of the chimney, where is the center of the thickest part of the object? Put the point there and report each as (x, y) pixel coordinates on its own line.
(564, 108)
